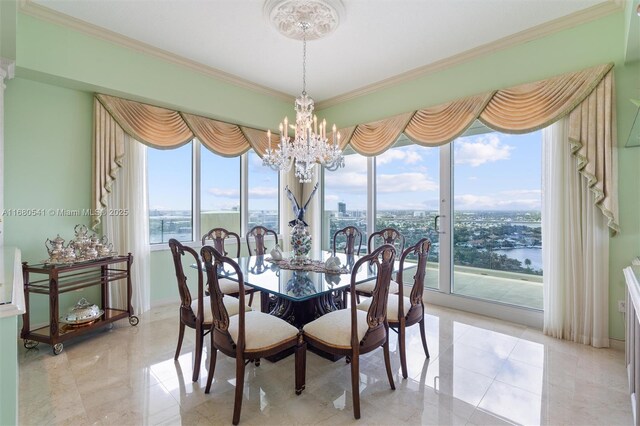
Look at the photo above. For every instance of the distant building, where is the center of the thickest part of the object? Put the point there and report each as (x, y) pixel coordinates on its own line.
(342, 209)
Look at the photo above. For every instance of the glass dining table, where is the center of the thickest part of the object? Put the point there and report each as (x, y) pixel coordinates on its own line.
(298, 296)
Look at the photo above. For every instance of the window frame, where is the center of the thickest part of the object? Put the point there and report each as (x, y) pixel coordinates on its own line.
(196, 200)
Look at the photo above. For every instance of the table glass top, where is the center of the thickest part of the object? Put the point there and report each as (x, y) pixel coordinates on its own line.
(296, 285)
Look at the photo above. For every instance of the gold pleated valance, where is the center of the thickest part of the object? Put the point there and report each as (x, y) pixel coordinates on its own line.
(441, 124)
(374, 138)
(531, 107)
(222, 138)
(154, 126)
(587, 96)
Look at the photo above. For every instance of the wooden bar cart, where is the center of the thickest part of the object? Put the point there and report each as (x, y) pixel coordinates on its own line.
(53, 280)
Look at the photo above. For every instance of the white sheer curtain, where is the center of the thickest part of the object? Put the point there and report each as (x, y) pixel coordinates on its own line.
(130, 232)
(575, 241)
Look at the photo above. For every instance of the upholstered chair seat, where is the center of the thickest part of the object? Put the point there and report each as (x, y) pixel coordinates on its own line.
(334, 328)
(366, 288)
(392, 306)
(228, 286)
(230, 303)
(262, 331)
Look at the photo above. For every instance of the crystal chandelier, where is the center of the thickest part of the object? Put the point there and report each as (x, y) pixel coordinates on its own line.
(309, 145)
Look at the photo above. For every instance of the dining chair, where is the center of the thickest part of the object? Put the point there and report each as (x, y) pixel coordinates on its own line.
(384, 236)
(352, 332)
(196, 313)
(402, 311)
(257, 233)
(219, 236)
(247, 336)
(351, 233)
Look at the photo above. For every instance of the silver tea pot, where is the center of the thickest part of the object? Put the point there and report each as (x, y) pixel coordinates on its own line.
(55, 247)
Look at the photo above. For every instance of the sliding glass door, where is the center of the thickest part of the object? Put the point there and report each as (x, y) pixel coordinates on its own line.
(497, 246)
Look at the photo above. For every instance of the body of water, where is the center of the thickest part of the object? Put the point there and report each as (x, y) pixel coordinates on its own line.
(533, 254)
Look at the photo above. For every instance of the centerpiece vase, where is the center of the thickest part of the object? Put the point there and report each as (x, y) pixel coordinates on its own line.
(300, 243)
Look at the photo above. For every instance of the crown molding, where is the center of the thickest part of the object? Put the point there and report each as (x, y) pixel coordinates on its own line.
(27, 7)
(539, 31)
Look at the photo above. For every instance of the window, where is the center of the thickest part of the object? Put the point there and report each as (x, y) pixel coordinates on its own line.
(170, 197)
(484, 189)
(191, 182)
(263, 194)
(219, 192)
(407, 197)
(345, 198)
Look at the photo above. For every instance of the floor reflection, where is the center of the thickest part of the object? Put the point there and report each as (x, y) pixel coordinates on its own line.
(481, 371)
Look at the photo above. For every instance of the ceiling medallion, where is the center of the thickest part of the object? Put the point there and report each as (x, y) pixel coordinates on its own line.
(321, 16)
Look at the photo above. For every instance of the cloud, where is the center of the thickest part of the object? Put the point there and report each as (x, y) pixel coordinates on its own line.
(263, 192)
(346, 181)
(224, 192)
(523, 199)
(405, 182)
(255, 192)
(407, 156)
(356, 183)
(331, 199)
(483, 149)
(473, 178)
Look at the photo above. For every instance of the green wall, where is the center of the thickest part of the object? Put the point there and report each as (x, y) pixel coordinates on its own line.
(8, 371)
(580, 47)
(62, 56)
(48, 132)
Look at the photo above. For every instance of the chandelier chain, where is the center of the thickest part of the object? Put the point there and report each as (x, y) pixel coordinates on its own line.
(304, 59)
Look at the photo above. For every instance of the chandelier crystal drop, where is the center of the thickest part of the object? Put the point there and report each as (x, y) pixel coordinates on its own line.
(309, 145)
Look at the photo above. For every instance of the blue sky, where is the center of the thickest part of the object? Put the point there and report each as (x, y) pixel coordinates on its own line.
(492, 171)
(169, 174)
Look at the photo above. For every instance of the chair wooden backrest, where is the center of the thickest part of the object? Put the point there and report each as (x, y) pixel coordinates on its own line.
(219, 236)
(351, 233)
(258, 233)
(213, 262)
(381, 258)
(388, 236)
(187, 315)
(421, 251)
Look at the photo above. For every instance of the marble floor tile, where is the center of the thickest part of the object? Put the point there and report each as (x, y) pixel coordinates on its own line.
(481, 371)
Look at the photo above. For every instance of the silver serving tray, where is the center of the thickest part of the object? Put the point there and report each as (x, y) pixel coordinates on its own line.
(64, 320)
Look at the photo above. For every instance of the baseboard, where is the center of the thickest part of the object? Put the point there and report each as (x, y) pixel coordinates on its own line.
(165, 302)
(617, 344)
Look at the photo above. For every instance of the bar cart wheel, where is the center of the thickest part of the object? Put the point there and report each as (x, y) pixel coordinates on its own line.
(133, 320)
(58, 348)
(30, 344)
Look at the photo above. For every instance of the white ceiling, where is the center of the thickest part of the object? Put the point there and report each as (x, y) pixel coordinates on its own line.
(376, 40)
